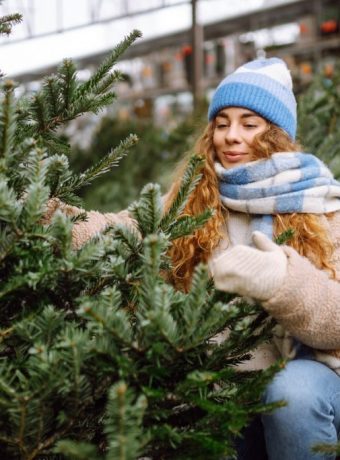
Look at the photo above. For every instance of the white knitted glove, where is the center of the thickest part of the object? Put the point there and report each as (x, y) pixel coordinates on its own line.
(256, 273)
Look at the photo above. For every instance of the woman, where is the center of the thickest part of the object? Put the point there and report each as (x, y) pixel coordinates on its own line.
(258, 193)
(260, 184)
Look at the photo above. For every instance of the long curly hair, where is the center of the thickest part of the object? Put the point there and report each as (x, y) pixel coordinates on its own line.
(310, 237)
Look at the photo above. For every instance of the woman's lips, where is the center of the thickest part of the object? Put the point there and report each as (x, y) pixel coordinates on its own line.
(233, 157)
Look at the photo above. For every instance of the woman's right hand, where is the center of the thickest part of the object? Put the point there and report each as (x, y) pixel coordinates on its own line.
(95, 223)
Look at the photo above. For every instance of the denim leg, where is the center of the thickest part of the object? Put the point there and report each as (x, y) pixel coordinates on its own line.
(312, 414)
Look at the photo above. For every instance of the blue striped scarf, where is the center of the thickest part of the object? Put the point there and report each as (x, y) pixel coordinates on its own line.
(288, 182)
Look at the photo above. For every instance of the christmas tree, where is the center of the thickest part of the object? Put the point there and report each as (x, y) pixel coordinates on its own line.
(319, 118)
(101, 357)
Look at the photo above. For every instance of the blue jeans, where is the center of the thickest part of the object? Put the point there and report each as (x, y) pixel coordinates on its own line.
(312, 415)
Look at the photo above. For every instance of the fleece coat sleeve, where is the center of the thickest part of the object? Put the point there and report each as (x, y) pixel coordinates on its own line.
(95, 223)
(308, 301)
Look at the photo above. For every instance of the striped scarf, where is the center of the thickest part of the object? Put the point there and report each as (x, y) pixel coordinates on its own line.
(288, 182)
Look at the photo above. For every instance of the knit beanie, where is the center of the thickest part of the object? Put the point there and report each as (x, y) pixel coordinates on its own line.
(263, 86)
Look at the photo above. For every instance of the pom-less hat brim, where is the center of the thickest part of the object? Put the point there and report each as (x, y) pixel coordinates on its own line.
(256, 99)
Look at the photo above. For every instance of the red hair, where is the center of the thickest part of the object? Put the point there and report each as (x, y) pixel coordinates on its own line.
(310, 237)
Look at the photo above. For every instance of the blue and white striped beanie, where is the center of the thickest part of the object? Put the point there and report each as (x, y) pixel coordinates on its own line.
(264, 86)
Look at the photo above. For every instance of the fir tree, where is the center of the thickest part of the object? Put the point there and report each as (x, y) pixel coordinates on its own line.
(100, 357)
(319, 119)
(7, 23)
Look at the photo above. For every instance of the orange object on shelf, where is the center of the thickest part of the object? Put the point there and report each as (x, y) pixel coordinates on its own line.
(328, 27)
(328, 70)
(187, 50)
(306, 68)
(304, 29)
(209, 59)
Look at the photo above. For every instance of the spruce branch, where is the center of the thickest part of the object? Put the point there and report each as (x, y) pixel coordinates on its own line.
(154, 246)
(285, 236)
(195, 302)
(37, 192)
(108, 81)
(7, 22)
(103, 166)
(76, 450)
(331, 449)
(93, 103)
(123, 424)
(128, 238)
(186, 225)
(67, 82)
(105, 313)
(7, 120)
(40, 114)
(63, 97)
(190, 179)
(51, 441)
(10, 208)
(56, 145)
(57, 171)
(148, 209)
(92, 85)
(51, 93)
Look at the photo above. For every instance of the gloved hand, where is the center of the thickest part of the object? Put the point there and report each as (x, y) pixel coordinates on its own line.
(253, 272)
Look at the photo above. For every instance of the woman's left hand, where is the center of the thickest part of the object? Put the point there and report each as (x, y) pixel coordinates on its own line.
(255, 272)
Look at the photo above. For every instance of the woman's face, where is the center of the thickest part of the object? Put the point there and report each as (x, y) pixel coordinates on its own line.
(235, 129)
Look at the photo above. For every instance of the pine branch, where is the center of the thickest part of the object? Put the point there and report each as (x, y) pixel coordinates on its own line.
(91, 86)
(195, 302)
(284, 237)
(105, 313)
(190, 179)
(123, 424)
(52, 106)
(61, 230)
(332, 449)
(7, 22)
(186, 225)
(103, 166)
(93, 103)
(39, 114)
(108, 81)
(51, 93)
(154, 316)
(10, 208)
(37, 192)
(148, 209)
(76, 450)
(154, 246)
(7, 120)
(67, 83)
(57, 172)
(7, 239)
(128, 238)
(63, 98)
(56, 145)
(51, 441)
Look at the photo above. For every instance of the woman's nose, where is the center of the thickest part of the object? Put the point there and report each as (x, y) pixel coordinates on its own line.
(232, 134)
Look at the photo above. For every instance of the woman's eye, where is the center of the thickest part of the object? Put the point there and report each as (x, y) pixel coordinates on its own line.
(222, 125)
(251, 126)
